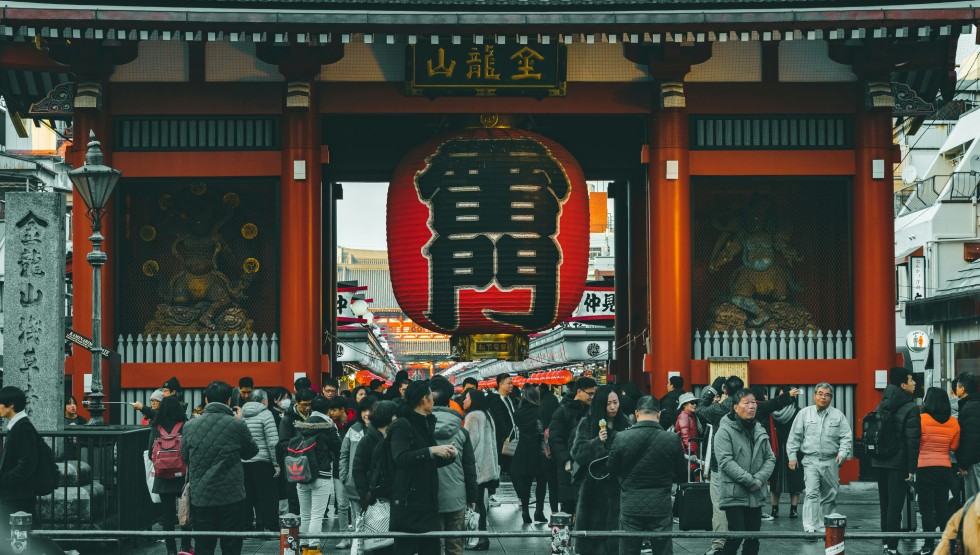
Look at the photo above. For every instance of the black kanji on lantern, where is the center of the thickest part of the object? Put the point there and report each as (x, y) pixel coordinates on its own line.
(494, 209)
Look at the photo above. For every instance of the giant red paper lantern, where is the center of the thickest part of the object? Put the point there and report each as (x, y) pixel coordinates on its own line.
(488, 232)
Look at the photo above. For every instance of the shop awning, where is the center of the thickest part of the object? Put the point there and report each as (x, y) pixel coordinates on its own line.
(943, 308)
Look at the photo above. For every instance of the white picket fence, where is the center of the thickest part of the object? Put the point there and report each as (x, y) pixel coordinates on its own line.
(775, 345)
(199, 348)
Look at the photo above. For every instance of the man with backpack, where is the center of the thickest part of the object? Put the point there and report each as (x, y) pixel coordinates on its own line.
(968, 455)
(19, 463)
(214, 446)
(891, 435)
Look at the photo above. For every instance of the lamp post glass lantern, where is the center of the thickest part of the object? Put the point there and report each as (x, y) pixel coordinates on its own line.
(95, 182)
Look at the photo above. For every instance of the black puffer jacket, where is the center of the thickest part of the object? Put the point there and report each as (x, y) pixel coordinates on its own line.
(287, 429)
(907, 424)
(969, 451)
(364, 464)
(561, 434)
(647, 460)
(415, 479)
(668, 408)
(214, 446)
(562, 428)
(327, 441)
(528, 458)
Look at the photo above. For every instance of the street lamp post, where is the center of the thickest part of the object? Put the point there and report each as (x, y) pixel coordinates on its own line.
(94, 182)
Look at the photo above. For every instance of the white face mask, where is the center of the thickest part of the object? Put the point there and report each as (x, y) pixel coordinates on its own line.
(285, 404)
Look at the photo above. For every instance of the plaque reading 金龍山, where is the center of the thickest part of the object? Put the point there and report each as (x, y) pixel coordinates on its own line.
(487, 69)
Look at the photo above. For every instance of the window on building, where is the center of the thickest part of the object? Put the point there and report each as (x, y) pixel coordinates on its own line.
(966, 355)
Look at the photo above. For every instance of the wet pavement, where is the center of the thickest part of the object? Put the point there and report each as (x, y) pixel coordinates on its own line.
(859, 505)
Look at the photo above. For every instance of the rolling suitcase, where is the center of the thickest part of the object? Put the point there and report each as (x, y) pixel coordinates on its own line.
(693, 503)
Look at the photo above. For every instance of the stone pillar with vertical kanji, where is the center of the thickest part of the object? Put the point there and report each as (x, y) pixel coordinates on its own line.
(34, 301)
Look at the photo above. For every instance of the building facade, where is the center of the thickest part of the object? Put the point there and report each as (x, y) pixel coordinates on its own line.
(753, 143)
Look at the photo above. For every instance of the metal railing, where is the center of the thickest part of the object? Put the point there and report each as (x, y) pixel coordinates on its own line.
(103, 485)
(559, 531)
(958, 186)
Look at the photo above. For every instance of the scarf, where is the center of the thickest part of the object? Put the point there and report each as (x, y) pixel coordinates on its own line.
(785, 415)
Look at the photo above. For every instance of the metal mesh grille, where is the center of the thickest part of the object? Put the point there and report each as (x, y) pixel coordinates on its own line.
(236, 61)
(746, 220)
(158, 61)
(807, 61)
(169, 234)
(367, 62)
(730, 62)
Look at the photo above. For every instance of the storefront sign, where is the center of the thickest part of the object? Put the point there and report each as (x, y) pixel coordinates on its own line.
(598, 304)
(487, 69)
(917, 276)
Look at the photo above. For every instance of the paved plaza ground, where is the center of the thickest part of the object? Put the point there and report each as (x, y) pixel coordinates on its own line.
(859, 505)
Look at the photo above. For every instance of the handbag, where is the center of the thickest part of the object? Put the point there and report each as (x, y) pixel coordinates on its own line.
(510, 444)
(184, 506)
(471, 524)
(377, 520)
(148, 465)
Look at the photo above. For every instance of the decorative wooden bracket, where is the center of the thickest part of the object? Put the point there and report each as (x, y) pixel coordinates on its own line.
(300, 64)
(669, 63)
(92, 62)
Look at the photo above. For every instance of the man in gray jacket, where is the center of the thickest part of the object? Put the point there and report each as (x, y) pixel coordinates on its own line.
(745, 462)
(457, 481)
(214, 446)
(822, 435)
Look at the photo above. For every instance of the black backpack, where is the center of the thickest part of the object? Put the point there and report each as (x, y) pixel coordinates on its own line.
(881, 439)
(47, 476)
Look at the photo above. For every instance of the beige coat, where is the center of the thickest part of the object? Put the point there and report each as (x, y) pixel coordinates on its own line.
(971, 531)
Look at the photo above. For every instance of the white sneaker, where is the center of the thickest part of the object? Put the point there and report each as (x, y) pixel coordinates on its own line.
(767, 517)
(494, 502)
(344, 544)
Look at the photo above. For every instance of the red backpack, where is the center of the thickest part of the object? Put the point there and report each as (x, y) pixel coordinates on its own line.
(168, 463)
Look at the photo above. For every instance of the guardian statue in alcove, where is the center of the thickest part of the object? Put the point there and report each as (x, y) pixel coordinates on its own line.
(761, 284)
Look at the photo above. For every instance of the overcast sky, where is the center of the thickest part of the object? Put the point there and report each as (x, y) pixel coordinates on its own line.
(361, 216)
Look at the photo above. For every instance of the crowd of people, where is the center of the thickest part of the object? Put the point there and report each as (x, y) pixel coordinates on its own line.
(425, 456)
